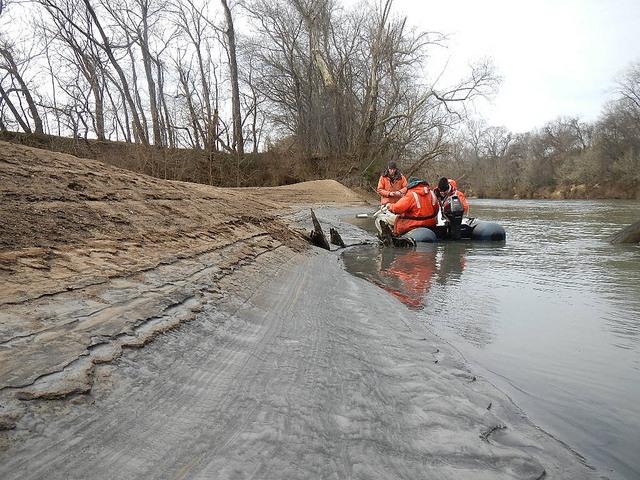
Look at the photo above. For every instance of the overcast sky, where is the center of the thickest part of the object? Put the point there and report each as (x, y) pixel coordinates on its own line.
(556, 57)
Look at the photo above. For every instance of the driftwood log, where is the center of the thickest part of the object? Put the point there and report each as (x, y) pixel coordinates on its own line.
(630, 234)
(336, 239)
(317, 236)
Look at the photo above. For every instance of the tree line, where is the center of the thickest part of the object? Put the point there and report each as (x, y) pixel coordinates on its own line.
(566, 158)
(339, 90)
(308, 76)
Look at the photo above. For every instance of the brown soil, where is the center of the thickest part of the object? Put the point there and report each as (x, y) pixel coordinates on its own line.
(75, 230)
(50, 199)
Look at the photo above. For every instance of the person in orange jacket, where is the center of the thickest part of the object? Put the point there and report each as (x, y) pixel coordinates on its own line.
(448, 187)
(418, 208)
(392, 184)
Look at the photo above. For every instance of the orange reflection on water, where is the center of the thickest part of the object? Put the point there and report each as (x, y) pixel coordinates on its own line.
(409, 274)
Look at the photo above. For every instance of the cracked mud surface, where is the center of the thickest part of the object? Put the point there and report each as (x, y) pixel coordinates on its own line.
(95, 259)
(262, 357)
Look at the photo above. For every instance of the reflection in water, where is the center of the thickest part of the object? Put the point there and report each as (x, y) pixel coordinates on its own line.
(452, 263)
(554, 314)
(406, 273)
(409, 275)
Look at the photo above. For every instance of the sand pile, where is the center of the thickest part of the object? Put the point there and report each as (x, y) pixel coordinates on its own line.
(91, 257)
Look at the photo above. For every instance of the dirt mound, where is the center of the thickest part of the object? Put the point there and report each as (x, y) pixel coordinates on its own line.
(93, 255)
(313, 193)
(49, 199)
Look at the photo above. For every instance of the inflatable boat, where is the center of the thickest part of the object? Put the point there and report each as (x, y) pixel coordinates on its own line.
(470, 229)
(452, 225)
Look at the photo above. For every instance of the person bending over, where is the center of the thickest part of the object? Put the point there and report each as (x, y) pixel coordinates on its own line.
(448, 187)
(418, 208)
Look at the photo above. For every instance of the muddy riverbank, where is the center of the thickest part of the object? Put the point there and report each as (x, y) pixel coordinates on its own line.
(552, 316)
(158, 329)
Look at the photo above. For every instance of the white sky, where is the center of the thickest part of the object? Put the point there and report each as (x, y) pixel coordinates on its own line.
(555, 57)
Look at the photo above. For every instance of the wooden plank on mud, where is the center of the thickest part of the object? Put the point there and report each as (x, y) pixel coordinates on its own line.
(336, 239)
(317, 236)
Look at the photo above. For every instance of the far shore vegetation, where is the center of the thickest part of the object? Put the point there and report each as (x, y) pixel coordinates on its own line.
(269, 92)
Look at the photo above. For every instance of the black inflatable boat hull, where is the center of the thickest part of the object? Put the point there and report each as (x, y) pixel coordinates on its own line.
(488, 232)
(470, 230)
(422, 234)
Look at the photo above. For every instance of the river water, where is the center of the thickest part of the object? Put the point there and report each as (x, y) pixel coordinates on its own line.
(552, 316)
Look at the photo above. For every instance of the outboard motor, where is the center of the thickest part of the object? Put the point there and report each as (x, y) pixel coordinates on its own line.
(453, 210)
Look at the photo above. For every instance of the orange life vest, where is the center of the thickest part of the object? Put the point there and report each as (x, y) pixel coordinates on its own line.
(418, 208)
(386, 186)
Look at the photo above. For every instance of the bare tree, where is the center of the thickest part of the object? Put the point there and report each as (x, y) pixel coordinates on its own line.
(253, 99)
(628, 89)
(349, 83)
(14, 66)
(238, 141)
(66, 11)
(193, 23)
(80, 54)
(104, 42)
(141, 21)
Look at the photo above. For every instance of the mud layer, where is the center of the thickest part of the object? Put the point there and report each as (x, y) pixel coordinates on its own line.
(94, 259)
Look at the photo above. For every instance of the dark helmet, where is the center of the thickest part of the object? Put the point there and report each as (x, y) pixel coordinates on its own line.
(415, 181)
(443, 185)
(392, 164)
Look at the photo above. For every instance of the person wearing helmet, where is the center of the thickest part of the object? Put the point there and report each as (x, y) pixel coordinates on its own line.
(392, 184)
(448, 187)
